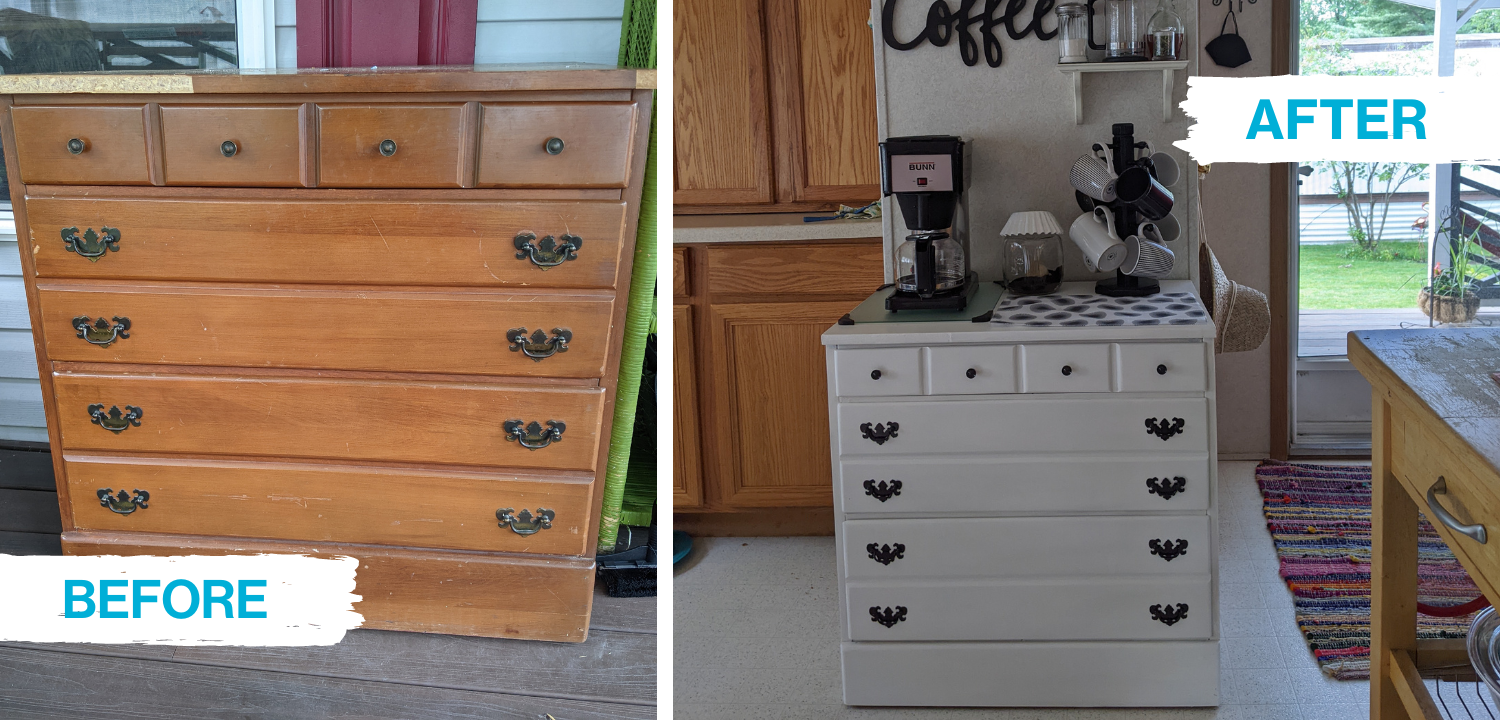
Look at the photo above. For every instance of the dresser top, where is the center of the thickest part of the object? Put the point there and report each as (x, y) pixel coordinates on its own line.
(446, 78)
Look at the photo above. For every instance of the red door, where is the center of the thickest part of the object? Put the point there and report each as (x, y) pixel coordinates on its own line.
(362, 33)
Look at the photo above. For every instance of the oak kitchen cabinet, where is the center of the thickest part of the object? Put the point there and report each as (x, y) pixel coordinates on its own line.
(774, 104)
(750, 380)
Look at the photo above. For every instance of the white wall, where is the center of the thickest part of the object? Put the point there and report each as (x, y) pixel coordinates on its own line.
(526, 31)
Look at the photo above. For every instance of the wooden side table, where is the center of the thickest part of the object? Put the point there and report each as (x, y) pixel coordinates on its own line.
(1435, 445)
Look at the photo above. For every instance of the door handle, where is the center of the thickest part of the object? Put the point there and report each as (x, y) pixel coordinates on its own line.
(1475, 531)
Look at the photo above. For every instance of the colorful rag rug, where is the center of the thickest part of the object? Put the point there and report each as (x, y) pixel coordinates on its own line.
(1319, 518)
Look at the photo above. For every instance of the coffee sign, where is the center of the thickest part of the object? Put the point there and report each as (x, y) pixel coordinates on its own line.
(943, 23)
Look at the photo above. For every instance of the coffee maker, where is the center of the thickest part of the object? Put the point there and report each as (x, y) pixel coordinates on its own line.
(927, 175)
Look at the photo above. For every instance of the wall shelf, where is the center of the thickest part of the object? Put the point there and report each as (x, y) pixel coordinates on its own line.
(1165, 67)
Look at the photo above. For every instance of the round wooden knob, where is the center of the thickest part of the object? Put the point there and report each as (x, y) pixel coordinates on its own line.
(387, 147)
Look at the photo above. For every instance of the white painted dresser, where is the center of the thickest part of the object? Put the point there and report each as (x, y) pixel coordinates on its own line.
(1026, 516)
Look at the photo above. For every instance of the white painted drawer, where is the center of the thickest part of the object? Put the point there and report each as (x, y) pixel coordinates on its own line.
(1104, 608)
(972, 369)
(957, 548)
(1053, 485)
(1032, 674)
(866, 372)
(1022, 424)
(1162, 367)
(1067, 367)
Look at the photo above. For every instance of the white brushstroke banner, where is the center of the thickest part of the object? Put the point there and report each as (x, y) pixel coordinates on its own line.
(1305, 118)
(259, 600)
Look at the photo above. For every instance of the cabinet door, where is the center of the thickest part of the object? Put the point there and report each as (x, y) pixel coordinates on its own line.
(823, 95)
(687, 468)
(771, 398)
(721, 146)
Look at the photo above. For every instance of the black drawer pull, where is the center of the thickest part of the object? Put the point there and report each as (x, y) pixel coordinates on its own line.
(1166, 488)
(879, 433)
(123, 503)
(100, 332)
(547, 252)
(1164, 429)
(524, 523)
(886, 617)
(115, 422)
(91, 245)
(531, 435)
(882, 491)
(539, 346)
(1169, 616)
(1166, 550)
(885, 554)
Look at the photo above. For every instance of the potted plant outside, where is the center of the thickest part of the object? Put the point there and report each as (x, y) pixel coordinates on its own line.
(1452, 296)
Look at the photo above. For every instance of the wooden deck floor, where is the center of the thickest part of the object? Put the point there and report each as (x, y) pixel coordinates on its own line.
(1322, 333)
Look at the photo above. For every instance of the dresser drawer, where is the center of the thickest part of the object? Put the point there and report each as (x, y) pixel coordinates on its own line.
(416, 146)
(1003, 486)
(1067, 367)
(332, 503)
(1024, 424)
(1162, 367)
(959, 548)
(335, 419)
(1105, 608)
(479, 333)
(301, 241)
(237, 145)
(111, 145)
(591, 144)
(972, 369)
(878, 371)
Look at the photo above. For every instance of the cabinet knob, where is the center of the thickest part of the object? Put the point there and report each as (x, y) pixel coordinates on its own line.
(1067, 370)
(874, 374)
(970, 373)
(228, 148)
(1161, 369)
(77, 146)
(554, 146)
(387, 147)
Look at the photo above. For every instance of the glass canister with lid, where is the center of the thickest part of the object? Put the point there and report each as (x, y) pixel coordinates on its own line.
(1033, 253)
(1072, 32)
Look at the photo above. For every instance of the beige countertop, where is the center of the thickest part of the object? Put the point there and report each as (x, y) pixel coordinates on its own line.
(767, 227)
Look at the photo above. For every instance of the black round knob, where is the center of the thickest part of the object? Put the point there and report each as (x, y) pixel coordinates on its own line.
(1161, 369)
(387, 147)
(1067, 369)
(75, 146)
(874, 374)
(554, 146)
(228, 148)
(970, 373)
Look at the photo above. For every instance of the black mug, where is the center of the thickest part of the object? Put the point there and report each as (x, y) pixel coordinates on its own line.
(1136, 187)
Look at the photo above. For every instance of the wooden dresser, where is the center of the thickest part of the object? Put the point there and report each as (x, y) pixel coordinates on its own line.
(1026, 516)
(339, 312)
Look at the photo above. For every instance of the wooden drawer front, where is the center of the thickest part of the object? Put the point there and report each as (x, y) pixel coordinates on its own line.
(387, 243)
(1419, 458)
(878, 371)
(1162, 367)
(331, 503)
(266, 148)
(428, 138)
(1022, 424)
(958, 548)
(434, 332)
(114, 145)
(972, 369)
(595, 148)
(1099, 608)
(434, 591)
(1003, 486)
(336, 419)
(1067, 367)
(680, 286)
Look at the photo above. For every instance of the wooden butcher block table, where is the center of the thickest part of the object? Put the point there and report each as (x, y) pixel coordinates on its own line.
(339, 312)
(1436, 449)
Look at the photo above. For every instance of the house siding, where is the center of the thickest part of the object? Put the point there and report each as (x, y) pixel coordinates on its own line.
(21, 416)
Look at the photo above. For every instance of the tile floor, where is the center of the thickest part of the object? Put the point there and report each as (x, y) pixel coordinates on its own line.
(756, 634)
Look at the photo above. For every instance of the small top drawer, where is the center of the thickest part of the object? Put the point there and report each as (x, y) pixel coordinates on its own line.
(972, 369)
(1162, 367)
(565, 145)
(1067, 367)
(81, 145)
(242, 146)
(878, 371)
(415, 146)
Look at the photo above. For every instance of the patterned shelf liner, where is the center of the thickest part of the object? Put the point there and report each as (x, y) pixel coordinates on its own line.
(1178, 308)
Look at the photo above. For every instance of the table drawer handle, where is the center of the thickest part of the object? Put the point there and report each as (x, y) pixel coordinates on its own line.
(881, 491)
(531, 435)
(886, 617)
(878, 432)
(1164, 429)
(524, 523)
(114, 421)
(885, 554)
(91, 245)
(100, 332)
(539, 346)
(123, 503)
(1166, 488)
(1170, 615)
(1166, 550)
(547, 252)
(1475, 531)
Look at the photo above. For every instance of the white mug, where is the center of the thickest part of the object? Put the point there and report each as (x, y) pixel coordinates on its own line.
(1167, 170)
(1094, 234)
(1144, 258)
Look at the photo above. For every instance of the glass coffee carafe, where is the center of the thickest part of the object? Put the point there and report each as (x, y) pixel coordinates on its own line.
(929, 263)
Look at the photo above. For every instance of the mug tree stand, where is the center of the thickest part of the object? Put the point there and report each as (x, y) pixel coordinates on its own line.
(1122, 285)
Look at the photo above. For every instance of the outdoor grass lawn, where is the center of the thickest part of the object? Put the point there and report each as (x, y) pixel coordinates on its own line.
(1330, 281)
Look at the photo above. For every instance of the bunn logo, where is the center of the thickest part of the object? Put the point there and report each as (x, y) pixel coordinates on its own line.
(923, 166)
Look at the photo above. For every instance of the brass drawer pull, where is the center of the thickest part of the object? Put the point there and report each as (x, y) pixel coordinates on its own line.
(531, 435)
(1475, 531)
(124, 503)
(77, 146)
(228, 148)
(554, 146)
(886, 617)
(523, 523)
(548, 252)
(539, 346)
(1169, 616)
(91, 245)
(387, 147)
(114, 421)
(100, 332)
